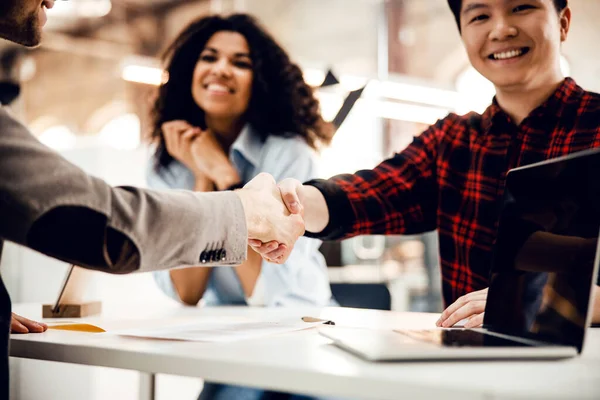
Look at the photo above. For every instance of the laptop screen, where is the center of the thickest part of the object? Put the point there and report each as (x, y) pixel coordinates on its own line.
(545, 255)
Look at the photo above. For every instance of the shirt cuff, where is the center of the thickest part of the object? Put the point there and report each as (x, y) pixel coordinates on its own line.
(340, 221)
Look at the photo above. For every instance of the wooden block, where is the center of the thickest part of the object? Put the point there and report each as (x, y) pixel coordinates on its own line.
(72, 310)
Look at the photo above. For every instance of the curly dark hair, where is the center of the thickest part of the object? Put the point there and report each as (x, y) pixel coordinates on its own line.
(455, 6)
(281, 103)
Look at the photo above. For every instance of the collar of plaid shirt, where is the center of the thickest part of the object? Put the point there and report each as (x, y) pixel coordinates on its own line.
(451, 178)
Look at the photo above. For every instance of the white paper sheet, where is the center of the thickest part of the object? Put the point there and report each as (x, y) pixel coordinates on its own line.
(218, 331)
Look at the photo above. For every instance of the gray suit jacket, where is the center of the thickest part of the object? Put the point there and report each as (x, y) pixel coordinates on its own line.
(52, 206)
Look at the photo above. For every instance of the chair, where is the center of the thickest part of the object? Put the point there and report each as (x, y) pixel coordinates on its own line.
(362, 295)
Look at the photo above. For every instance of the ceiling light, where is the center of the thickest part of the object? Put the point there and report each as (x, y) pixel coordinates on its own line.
(58, 137)
(143, 74)
(313, 77)
(122, 133)
(80, 9)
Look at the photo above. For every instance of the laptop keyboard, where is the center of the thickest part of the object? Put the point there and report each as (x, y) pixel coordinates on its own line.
(459, 338)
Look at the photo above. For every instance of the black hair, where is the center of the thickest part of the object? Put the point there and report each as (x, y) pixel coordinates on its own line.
(455, 6)
(281, 102)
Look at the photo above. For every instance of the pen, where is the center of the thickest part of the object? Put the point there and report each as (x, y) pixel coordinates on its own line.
(313, 319)
(56, 307)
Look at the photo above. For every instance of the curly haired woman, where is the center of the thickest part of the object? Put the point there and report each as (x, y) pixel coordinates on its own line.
(234, 106)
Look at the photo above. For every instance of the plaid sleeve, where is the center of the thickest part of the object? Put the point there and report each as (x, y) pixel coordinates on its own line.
(399, 196)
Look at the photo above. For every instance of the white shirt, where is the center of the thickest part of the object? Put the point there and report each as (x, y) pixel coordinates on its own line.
(302, 279)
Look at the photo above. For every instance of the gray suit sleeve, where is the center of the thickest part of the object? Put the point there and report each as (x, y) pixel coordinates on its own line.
(50, 205)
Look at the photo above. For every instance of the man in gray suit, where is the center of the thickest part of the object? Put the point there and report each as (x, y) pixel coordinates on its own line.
(51, 206)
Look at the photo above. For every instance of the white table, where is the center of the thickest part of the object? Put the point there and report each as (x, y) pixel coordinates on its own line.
(304, 362)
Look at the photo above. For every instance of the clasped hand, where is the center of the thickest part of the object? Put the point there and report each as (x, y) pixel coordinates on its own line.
(291, 195)
(287, 196)
(271, 226)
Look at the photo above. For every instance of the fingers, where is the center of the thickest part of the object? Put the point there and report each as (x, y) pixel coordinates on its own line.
(176, 124)
(268, 219)
(32, 326)
(289, 193)
(263, 248)
(23, 325)
(189, 135)
(272, 251)
(296, 230)
(279, 255)
(451, 309)
(17, 327)
(261, 181)
(172, 131)
(255, 244)
(467, 310)
(467, 303)
(463, 300)
(475, 321)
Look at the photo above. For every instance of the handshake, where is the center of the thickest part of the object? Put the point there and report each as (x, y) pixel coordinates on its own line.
(275, 214)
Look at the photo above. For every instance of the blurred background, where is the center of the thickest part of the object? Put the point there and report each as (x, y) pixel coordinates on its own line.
(86, 91)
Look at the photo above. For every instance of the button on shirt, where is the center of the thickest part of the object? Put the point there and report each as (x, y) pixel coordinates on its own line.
(451, 178)
(302, 279)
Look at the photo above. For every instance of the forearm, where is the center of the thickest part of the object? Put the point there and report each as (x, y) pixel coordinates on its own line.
(399, 196)
(596, 305)
(190, 283)
(203, 184)
(316, 212)
(248, 272)
(225, 177)
(54, 207)
(220, 177)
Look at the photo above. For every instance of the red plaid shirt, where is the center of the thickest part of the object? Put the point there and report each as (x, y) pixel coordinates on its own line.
(451, 178)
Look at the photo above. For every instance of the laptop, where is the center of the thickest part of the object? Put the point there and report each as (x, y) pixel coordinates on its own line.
(544, 265)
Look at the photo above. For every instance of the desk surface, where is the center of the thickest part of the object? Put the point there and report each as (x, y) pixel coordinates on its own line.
(304, 362)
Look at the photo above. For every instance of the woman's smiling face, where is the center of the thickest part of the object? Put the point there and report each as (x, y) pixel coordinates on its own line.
(222, 80)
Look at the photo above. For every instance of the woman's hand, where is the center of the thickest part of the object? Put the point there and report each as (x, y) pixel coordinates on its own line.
(210, 158)
(199, 151)
(179, 136)
(470, 306)
(20, 324)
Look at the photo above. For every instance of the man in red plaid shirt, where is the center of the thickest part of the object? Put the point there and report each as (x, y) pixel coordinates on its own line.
(451, 178)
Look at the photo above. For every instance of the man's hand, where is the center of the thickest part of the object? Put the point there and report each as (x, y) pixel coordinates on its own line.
(269, 222)
(306, 201)
(20, 324)
(291, 190)
(291, 198)
(471, 306)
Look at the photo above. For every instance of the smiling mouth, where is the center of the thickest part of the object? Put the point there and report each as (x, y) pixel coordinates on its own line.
(218, 88)
(507, 55)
